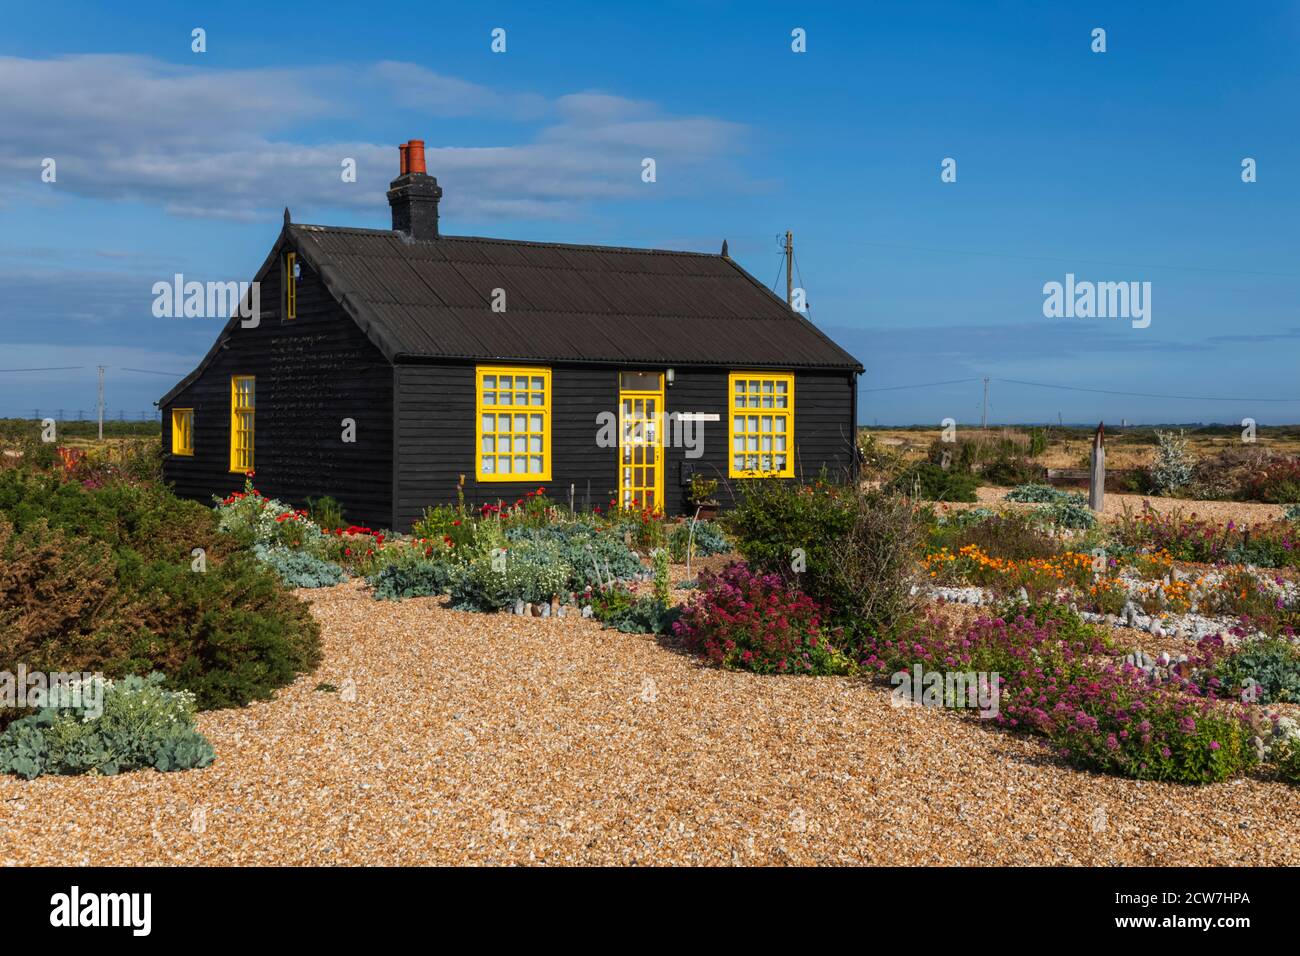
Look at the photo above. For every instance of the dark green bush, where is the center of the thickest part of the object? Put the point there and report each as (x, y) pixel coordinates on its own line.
(107, 580)
(852, 552)
(930, 482)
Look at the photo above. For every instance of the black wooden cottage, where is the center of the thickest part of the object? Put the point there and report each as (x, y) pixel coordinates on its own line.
(386, 364)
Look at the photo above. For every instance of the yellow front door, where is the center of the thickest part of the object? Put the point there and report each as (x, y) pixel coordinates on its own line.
(641, 440)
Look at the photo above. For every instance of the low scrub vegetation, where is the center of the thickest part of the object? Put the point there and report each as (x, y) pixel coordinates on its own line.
(107, 727)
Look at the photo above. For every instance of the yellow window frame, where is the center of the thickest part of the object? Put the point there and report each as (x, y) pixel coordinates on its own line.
(290, 286)
(182, 431)
(243, 409)
(519, 442)
(761, 416)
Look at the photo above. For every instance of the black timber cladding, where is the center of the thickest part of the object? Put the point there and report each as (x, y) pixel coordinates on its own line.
(311, 373)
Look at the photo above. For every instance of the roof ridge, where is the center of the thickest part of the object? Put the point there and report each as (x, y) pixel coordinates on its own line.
(497, 240)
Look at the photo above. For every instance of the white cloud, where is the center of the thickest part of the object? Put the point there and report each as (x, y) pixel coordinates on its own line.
(228, 143)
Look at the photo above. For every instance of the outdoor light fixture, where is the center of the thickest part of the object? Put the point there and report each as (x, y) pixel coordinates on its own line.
(671, 376)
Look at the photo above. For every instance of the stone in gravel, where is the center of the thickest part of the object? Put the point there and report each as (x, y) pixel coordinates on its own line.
(546, 610)
(519, 606)
(586, 610)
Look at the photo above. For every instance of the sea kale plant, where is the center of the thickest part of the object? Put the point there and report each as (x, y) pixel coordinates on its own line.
(141, 725)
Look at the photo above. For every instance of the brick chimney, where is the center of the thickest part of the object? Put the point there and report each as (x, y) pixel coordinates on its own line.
(414, 194)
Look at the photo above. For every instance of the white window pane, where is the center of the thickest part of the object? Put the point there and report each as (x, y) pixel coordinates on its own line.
(780, 423)
(507, 398)
(521, 398)
(753, 424)
(537, 383)
(738, 423)
(503, 465)
(738, 443)
(488, 465)
(488, 421)
(489, 381)
(535, 465)
(767, 443)
(767, 387)
(738, 462)
(780, 443)
(767, 401)
(489, 398)
(521, 423)
(489, 444)
(506, 382)
(521, 443)
(780, 462)
(521, 465)
(534, 423)
(503, 423)
(767, 423)
(538, 398)
(780, 402)
(765, 463)
(535, 443)
(781, 387)
(751, 443)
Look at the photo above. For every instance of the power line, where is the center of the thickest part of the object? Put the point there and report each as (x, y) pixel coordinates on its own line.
(1107, 391)
(149, 371)
(56, 368)
(1065, 259)
(895, 388)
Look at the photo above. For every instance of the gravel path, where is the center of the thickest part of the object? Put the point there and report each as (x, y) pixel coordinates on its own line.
(1222, 511)
(491, 739)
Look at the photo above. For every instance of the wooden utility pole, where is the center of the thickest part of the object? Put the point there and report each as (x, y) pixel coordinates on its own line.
(984, 418)
(789, 272)
(101, 403)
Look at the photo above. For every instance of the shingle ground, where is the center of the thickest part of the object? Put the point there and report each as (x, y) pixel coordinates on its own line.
(490, 739)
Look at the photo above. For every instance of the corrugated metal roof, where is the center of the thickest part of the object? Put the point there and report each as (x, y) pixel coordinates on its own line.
(433, 299)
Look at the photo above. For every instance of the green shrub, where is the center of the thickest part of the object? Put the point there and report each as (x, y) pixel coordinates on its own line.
(852, 552)
(1010, 470)
(141, 725)
(326, 512)
(928, 481)
(132, 596)
(300, 569)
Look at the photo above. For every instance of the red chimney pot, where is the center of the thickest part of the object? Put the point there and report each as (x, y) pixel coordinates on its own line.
(415, 156)
(402, 148)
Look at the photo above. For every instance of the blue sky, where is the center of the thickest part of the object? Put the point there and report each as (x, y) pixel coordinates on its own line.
(1115, 166)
